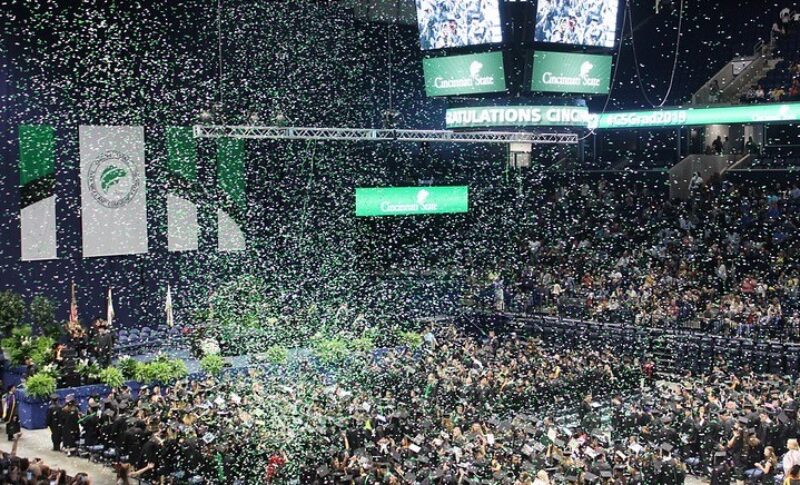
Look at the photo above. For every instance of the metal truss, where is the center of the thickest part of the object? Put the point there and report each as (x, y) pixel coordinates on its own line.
(360, 134)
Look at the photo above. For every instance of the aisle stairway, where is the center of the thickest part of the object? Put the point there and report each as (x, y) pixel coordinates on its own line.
(737, 76)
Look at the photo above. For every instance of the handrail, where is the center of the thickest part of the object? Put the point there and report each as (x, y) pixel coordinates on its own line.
(761, 51)
(746, 71)
(707, 86)
(757, 48)
(663, 331)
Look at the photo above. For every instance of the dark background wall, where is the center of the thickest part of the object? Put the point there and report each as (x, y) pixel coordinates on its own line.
(155, 64)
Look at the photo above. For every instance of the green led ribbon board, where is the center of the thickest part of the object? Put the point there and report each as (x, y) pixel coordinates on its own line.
(409, 201)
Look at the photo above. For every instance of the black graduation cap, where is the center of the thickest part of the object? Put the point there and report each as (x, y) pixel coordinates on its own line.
(666, 447)
(591, 477)
(572, 479)
(606, 473)
(783, 418)
(323, 471)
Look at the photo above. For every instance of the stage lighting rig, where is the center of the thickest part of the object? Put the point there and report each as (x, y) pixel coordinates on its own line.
(391, 119)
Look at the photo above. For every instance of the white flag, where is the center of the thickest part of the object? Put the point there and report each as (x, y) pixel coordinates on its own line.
(182, 228)
(168, 307)
(230, 236)
(113, 190)
(110, 310)
(37, 183)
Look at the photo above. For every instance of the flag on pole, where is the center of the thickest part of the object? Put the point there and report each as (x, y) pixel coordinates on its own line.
(110, 310)
(168, 307)
(73, 308)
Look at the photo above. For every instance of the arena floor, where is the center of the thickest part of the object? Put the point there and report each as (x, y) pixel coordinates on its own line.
(36, 443)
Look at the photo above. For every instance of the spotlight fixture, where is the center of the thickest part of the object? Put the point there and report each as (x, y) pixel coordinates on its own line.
(391, 118)
(279, 119)
(205, 116)
(253, 118)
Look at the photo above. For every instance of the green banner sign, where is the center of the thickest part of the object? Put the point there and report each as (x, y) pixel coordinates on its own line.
(470, 74)
(759, 113)
(403, 201)
(571, 73)
(517, 116)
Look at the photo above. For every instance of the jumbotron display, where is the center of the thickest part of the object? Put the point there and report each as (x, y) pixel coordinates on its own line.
(445, 24)
(591, 23)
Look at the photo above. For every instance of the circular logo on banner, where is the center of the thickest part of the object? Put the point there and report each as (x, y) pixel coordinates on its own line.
(113, 179)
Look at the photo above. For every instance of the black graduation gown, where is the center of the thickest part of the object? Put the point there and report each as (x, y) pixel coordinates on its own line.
(118, 429)
(107, 437)
(134, 438)
(53, 422)
(91, 430)
(170, 454)
(70, 427)
(151, 453)
(105, 347)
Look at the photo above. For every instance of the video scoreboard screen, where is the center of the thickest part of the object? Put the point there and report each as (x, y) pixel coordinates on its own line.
(445, 24)
(590, 23)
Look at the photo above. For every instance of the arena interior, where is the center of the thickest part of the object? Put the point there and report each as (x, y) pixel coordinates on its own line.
(399, 242)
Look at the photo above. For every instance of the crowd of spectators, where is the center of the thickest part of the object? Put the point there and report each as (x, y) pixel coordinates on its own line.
(757, 94)
(783, 82)
(788, 20)
(725, 261)
(16, 470)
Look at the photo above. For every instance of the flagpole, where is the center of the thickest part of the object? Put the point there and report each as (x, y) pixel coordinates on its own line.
(73, 307)
(110, 314)
(168, 312)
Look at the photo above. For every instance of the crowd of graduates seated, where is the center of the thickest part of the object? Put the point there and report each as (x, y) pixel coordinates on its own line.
(503, 410)
(444, 412)
(726, 260)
